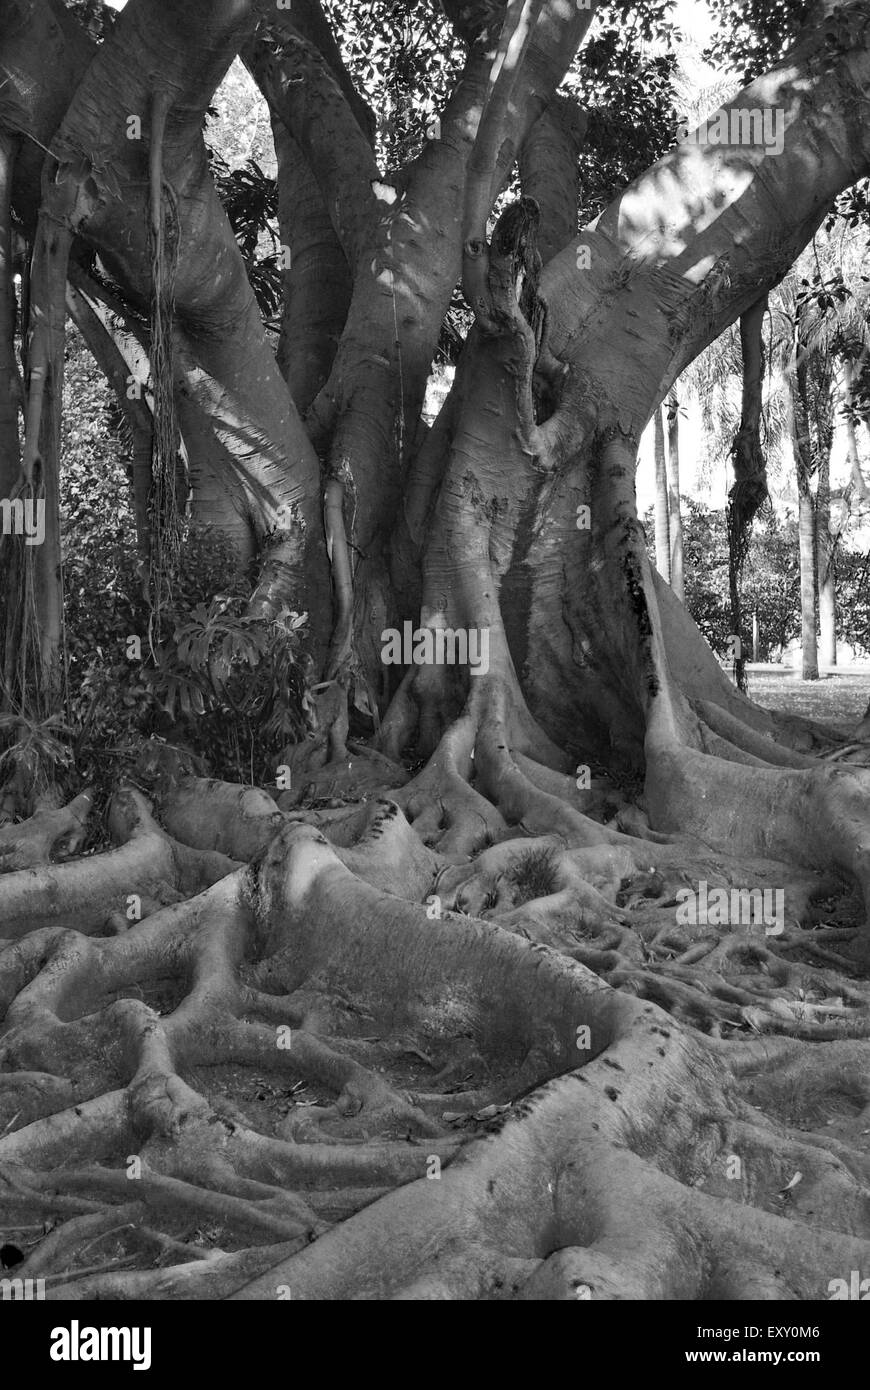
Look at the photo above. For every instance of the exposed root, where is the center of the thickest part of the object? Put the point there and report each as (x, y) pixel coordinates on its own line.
(460, 1041)
(87, 892)
(49, 834)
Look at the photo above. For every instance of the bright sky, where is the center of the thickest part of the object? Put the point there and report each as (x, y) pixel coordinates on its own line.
(694, 19)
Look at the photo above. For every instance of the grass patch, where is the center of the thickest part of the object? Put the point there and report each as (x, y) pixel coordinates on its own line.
(836, 698)
(533, 876)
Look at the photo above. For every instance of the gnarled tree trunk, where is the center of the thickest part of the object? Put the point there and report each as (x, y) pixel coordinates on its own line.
(477, 935)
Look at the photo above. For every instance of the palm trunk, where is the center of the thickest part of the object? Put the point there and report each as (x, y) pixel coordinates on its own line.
(799, 429)
(807, 553)
(674, 516)
(662, 521)
(826, 554)
(847, 401)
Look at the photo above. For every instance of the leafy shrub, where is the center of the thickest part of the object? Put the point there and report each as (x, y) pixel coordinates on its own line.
(771, 578)
(35, 756)
(232, 686)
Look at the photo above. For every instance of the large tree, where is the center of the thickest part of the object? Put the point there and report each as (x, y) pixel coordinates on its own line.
(459, 931)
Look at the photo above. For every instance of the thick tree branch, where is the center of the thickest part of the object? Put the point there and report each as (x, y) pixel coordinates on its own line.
(302, 92)
(698, 239)
(549, 172)
(214, 302)
(36, 37)
(535, 50)
(309, 22)
(317, 282)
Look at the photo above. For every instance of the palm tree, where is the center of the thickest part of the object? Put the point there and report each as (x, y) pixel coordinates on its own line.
(817, 344)
(822, 333)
